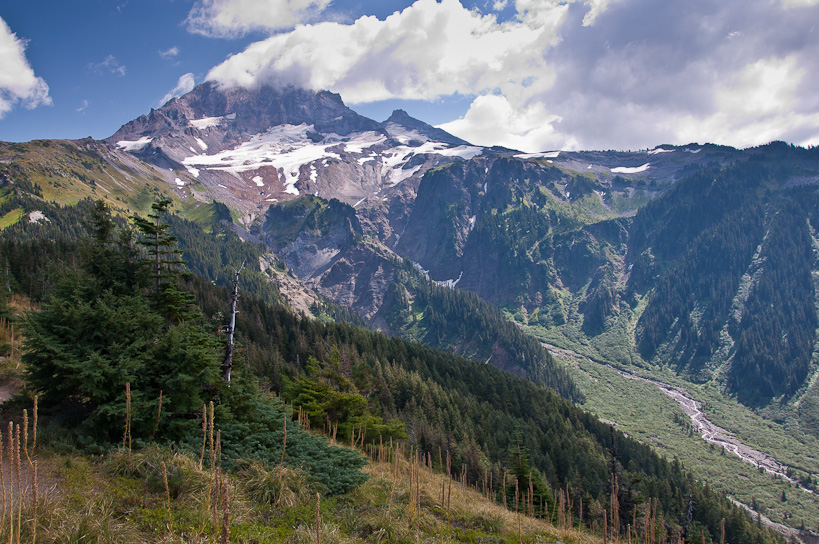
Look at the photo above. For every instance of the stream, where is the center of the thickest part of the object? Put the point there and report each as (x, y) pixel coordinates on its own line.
(710, 432)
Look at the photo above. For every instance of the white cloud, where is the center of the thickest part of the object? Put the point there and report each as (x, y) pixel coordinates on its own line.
(109, 65)
(83, 107)
(429, 49)
(231, 18)
(499, 5)
(18, 84)
(184, 85)
(492, 120)
(596, 8)
(640, 73)
(800, 3)
(591, 74)
(170, 53)
(758, 104)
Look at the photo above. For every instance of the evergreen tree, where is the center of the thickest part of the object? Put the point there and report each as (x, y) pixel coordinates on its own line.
(97, 332)
(165, 262)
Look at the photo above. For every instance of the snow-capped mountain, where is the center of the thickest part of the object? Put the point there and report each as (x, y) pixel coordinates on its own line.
(252, 149)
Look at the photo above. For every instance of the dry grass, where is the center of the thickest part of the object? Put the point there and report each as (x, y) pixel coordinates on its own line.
(469, 510)
(158, 495)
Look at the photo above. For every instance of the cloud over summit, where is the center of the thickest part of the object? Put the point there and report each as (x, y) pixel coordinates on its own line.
(232, 18)
(428, 50)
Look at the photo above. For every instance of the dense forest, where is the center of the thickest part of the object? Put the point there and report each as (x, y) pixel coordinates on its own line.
(145, 322)
(729, 264)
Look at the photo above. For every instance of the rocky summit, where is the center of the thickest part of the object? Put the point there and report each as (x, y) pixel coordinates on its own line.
(251, 149)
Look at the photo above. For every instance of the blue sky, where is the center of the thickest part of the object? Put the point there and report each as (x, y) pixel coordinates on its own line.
(528, 74)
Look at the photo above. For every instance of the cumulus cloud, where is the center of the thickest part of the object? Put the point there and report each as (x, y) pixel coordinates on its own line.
(758, 104)
(646, 73)
(232, 18)
(184, 85)
(590, 74)
(493, 120)
(18, 84)
(108, 65)
(429, 49)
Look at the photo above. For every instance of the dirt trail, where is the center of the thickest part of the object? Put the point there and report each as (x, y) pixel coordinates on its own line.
(7, 391)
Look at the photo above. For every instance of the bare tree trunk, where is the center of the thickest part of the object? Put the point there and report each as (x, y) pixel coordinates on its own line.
(228, 364)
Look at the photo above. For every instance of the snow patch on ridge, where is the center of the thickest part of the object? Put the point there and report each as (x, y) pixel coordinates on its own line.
(658, 150)
(363, 141)
(392, 162)
(134, 145)
(287, 148)
(544, 155)
(451, 283)
(208, 122)
(630, 170)
(404, 134)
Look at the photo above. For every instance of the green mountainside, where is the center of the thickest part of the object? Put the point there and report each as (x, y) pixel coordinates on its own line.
(712, 277)
(107, 316)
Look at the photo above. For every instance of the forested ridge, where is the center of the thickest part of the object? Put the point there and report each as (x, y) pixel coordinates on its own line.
(729, 257)
(460, 321)
(710, 274)
(491, 422)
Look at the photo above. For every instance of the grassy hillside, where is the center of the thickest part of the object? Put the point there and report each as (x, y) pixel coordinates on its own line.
(159, 494)
(68, 171)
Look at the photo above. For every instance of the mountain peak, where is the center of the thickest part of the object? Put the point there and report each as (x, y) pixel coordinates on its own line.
(255, 147)
(400, 116)
(421, 130)
(247, 111)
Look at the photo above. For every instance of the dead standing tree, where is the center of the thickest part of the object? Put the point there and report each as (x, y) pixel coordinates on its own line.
(228, 363)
